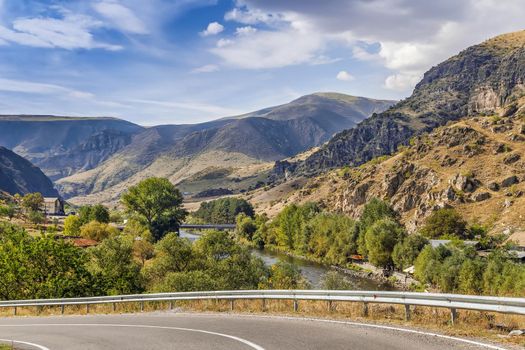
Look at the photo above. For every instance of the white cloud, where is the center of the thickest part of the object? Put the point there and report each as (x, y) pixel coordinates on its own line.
(270, 49)
(402, 81)
(11, 85)
(345, 76)
(251, 16)
(224, 42)
(412, 35)
(209, 68)
(70, 32)
(213, 28)
(121, 16)
(245, 30)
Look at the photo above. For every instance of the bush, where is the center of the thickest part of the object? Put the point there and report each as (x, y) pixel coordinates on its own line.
(98, 231)
(72, 225)
(286, 276)
(332, 280)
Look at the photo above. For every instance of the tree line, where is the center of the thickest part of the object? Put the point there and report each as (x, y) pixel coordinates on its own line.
(148, 255)
(379, 237)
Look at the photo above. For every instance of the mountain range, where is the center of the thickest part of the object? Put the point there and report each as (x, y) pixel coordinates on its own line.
(102, 156)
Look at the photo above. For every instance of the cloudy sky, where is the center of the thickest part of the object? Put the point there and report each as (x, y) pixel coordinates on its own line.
(186, 61)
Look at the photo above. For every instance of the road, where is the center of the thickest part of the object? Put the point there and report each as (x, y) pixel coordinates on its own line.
(212, 331)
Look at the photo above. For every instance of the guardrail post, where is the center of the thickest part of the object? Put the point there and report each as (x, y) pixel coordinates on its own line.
(114, 307)
(87, 308)
(407, 313)
(171, 305)
(14, 311)
(453, 316)
(329, 306)
(295, 305)
(263, 304)
(141, 306)
(365, 309)
(232, 304)
(62, 309)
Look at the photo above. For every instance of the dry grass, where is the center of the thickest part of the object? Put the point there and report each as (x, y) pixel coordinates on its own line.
(481, 325)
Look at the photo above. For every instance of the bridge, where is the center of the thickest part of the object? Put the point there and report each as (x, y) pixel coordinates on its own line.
(220, 227)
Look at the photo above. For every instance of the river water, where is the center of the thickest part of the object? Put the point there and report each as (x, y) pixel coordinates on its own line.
(312, 271)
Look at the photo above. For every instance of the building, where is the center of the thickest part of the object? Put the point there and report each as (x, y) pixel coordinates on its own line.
(53, 206)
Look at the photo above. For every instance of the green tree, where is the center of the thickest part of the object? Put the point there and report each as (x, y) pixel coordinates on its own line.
(380, 240)
(445, 223)
(114, 268)
(157, 203)
(406, 252)
(41, 267)
(88, 213)
(172, 254)
(72, 225)
(224, 210)
(246, 226)
(373, 211)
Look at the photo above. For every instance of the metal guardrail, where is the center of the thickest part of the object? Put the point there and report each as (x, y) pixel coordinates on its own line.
(450, 301)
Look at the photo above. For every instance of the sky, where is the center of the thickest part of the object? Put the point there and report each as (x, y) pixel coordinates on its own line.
(187, 61)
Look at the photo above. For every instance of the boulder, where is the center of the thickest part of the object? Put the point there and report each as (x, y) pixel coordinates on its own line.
(482, 196)
(517, 333)
(463, 183)
(509, 181)
(493, 186)
(511, 158)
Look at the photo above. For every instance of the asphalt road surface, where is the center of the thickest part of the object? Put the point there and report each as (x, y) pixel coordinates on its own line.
(213, 331)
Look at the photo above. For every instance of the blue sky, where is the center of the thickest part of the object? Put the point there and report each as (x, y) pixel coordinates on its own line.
(187, 61)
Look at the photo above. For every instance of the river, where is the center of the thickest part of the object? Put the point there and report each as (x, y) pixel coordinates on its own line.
(312, 271)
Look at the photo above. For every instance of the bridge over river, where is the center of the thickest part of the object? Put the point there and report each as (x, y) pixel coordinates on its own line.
(221, 227)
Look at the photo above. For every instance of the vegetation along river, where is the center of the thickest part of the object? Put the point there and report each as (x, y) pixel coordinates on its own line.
(312, 271)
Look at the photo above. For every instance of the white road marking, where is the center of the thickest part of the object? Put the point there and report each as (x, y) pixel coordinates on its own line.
(240, 340)
(40, 347)
(472, 342)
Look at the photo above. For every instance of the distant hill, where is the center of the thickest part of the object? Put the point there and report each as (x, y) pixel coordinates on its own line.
(483, 79)
(181, 151)
(18, 175)
(62, 146)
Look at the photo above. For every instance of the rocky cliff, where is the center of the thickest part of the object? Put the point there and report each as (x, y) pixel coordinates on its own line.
(484, 79)
(476, 165)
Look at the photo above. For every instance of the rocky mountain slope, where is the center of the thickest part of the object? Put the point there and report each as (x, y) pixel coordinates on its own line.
(476, 165)
(483, 79)
(18, 175)
(62, 146)
(233, 150)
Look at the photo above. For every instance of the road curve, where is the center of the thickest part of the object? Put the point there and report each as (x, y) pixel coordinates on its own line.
(214, 331)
